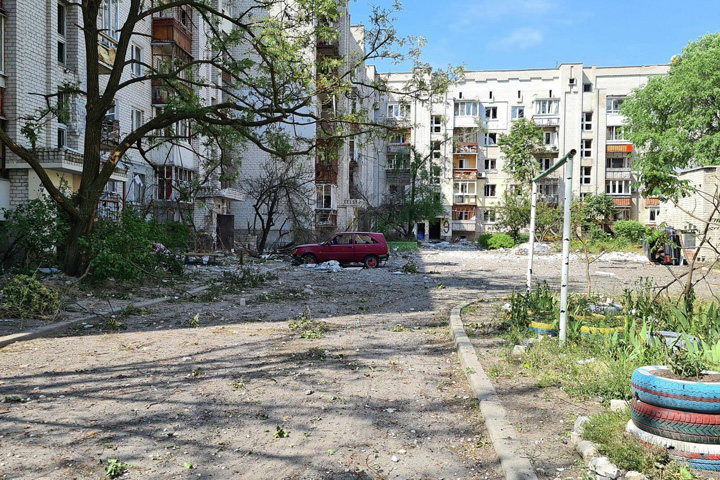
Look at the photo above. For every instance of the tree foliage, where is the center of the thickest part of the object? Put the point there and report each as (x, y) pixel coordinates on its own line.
(272, 80)
(674, 120)
(598, 210)
(514, 214)
(519, 146)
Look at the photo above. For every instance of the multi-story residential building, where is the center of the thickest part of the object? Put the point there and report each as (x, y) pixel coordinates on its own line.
(576, 106)
(170, 37)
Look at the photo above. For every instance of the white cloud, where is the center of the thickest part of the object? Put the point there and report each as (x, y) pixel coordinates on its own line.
(521, 38)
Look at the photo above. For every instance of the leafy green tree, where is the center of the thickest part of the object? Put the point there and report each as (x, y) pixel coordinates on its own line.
(519, 148)
(548, 220)
(598, 210)
(417, 197)
(267, 86)
(514, 214)
(673, 120)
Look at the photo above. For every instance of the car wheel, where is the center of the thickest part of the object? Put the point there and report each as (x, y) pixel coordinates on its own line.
(309, 258)
(371, 261)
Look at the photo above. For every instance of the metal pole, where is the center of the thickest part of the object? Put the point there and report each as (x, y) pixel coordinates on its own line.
(566, 249)
(531, 248)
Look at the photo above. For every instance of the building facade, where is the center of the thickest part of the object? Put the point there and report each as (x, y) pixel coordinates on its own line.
(576, 106)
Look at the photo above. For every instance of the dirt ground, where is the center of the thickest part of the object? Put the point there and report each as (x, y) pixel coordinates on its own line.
(223, 388)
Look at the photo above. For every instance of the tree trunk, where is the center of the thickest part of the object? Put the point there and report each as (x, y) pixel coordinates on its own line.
(76, 260)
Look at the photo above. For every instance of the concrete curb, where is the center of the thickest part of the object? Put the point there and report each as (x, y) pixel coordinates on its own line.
(61, 326)
(599, 468)
(503, 435)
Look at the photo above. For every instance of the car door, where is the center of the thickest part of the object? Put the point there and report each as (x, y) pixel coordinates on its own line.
(364, 244)
(340, 248)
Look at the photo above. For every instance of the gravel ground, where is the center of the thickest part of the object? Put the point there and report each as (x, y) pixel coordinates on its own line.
(241, 395)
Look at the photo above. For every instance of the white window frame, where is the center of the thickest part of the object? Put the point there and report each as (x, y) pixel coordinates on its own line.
(550, 139)
(653, 214)
(467, 109)
(613, 104)
(108, 21)
(465, 192)
(618, 187)
(137, 119)
(322, 191)
(62, 33)
(398, 161)
(490, 163)
(490, 190)
(546, 163)
(547, 106)
(61, 134)
(491, 113)
(489, 216)
(436, 149)
(398, 110)
(587, 121)
(585, 175)
(626, 163)
(615, 133)
(586, 148)
(516, 113)
(548, 189)
(490, 139)
(436, 122)
(137, 54)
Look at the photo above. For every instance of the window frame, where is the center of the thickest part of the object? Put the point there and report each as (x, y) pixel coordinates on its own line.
(491, 113)
(490, 190)
(612, 104)
(587, 121)
(137, 67)
(585, 175)
(514, 111)
(586, 148)
(621, 187)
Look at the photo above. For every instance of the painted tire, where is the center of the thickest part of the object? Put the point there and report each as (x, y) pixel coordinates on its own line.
(587, 330)
(543, 328)
(695, 455)
(686, 395)
(676, 424)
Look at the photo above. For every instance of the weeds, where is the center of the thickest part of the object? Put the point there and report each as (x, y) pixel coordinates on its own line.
(307, 326)
(25, 297)
(607, 430)
(115, 468)
(409, 267)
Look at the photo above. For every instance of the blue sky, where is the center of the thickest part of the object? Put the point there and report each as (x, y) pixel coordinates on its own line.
(517, 34)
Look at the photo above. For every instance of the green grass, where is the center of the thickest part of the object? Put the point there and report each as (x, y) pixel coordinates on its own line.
(403, 246)
(607, 430)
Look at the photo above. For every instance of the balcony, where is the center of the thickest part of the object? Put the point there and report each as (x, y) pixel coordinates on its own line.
(546, 121)
(398, 148)
(465, 174)
(354, 203)
(619, 147)
(652, 202)
(325, 218)
(169, 29)
(217, 192)
(623, 201)
(110, 134)
(62, 160)
(328, 48)
(618, 174)
(106, 55)
(465, 148)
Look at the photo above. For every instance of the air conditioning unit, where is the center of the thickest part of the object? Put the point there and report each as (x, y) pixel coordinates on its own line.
(482, 175)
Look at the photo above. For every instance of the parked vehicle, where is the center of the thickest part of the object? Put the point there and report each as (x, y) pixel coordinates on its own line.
(664, 248)
(346, 247)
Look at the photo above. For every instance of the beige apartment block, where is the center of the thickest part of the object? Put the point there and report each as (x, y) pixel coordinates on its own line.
(691, 214)
(576, 106)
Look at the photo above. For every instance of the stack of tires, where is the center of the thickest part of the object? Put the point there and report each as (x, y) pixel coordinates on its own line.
(680, 415)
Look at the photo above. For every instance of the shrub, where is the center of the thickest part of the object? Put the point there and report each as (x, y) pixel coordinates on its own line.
(133, 248)
(484, 240)
(26, 297)
(493, 241)
(500, 240)
(631, 230)
(32, 232)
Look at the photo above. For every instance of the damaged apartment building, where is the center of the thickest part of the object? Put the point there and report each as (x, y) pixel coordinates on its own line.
(152, 182)
(344, 176)
(576, 106)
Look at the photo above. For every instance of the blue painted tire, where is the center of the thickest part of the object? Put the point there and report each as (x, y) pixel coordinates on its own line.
(686, 395)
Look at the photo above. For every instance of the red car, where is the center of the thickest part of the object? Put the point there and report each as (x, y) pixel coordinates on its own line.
(346, 247)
